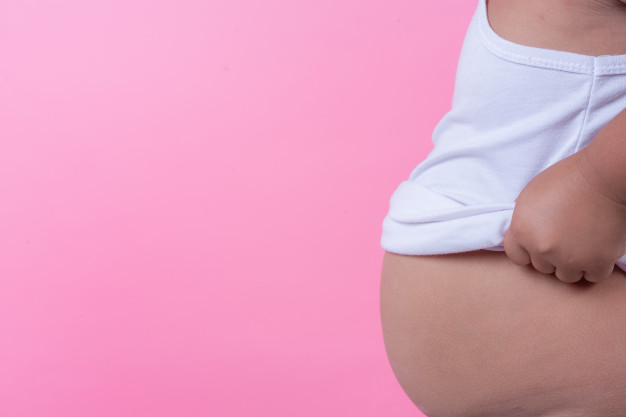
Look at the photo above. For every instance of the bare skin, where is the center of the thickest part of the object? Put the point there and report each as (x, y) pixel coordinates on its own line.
(589, 27)
(475, 335)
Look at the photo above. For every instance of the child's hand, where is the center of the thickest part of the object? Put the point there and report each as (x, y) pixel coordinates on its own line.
(564, 223)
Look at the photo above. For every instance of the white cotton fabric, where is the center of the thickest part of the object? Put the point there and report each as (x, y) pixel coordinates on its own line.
(516, 110)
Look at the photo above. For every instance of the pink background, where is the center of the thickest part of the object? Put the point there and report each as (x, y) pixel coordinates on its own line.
(192, 198)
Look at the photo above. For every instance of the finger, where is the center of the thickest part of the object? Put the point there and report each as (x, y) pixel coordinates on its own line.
(542, 265)
(568, 275)
(514, 251)
(598, 274)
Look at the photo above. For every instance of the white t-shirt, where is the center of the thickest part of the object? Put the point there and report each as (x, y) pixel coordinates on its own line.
(516, 110)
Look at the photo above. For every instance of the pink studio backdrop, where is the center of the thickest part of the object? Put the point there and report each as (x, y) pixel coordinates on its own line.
(192, 198)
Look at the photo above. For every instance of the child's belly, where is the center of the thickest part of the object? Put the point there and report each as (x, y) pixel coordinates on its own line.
(473, 334)
(588, 27)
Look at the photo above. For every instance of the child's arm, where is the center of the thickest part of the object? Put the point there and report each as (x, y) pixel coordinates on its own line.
(571, 218)
(604, 159)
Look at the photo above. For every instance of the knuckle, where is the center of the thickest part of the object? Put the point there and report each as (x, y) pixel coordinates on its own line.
(593, 278)
(568, 275)
(598, 275)
(544, 248)
(544, 269)
(569, 278)
(571, 263)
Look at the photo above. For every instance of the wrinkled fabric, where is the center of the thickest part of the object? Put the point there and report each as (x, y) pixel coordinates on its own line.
(516, 110)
